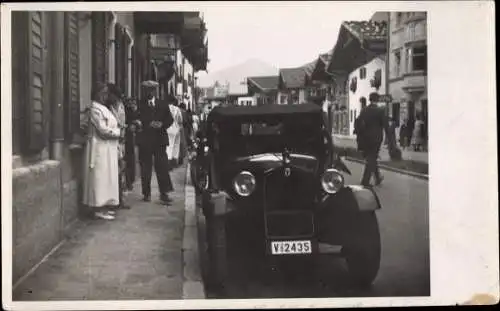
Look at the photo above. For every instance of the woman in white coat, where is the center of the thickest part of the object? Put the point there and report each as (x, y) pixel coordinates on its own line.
(100, 174)
(174, 135)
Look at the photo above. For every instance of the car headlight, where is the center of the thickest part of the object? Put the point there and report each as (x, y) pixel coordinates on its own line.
(244, 183)
(332, 181)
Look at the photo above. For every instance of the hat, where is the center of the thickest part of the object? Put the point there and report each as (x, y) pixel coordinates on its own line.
(150, 83)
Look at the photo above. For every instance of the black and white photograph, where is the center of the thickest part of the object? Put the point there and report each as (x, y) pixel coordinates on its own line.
(287, 159)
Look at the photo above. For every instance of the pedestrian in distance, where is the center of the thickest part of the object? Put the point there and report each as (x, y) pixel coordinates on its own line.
(418, 134)
(371, 125)
(357, 125)
(174, 134)
(153, 119)
(130, 142)
(101, 170)
(117, 106)
(184, 133)
(403, 135)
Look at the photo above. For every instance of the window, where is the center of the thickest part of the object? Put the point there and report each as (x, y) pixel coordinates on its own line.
(283, 99)
(416, 59)
(399, 17)
(410, 31)
(419, 58)
(351, 115)
(29, 111)
(397, 63)
(362, 73)
(407, 59)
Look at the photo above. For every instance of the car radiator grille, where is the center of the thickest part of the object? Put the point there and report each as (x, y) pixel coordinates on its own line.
(288, 203)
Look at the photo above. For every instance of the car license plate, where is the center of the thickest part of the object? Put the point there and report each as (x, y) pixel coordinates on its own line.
(291, 247)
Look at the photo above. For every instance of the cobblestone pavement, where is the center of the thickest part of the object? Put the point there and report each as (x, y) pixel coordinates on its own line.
(136, 256)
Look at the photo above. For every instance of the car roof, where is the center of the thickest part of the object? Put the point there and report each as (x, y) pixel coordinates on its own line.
(241, 113)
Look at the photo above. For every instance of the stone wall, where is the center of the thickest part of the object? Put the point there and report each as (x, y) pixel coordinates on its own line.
(45, 203)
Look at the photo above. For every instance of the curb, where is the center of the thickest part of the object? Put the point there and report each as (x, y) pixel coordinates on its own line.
(396, 170)
(192, 287)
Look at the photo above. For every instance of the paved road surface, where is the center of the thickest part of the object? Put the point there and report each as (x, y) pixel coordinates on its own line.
(405, 253)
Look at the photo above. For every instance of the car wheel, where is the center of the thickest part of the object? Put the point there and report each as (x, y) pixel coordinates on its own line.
(362, 249)
(217, 252)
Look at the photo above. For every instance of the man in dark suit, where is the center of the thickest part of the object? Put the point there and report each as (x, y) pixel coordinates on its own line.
(154, 119)
(371, 126)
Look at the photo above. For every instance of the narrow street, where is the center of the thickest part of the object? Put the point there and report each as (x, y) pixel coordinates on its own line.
(136, 256)
(404, 267)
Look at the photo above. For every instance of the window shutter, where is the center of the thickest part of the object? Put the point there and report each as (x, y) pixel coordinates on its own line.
(36, 118)
(100, 47)
(72, 66)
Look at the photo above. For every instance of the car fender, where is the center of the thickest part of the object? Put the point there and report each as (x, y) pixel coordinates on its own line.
(366, 198)
(351, 198)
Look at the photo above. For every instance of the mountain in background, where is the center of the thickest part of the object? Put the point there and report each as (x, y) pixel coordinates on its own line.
(238, 73)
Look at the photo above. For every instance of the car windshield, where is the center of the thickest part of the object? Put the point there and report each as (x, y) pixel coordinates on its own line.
(254, 137)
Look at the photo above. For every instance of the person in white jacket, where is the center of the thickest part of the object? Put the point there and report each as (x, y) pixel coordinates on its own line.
(101, 170)
(174, 135)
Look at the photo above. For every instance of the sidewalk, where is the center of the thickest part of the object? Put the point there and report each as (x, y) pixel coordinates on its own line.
(136, 256)
(350, 142)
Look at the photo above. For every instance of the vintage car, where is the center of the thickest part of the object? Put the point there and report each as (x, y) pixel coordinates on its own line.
(273, 171)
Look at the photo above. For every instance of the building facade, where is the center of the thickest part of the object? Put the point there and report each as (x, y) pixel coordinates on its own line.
(361, 45)
(408, 65)
(365, 79)
(57, 57)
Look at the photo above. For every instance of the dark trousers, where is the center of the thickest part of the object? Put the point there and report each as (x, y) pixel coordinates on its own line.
(121, 182)
(371, 167)
(146, 155)
(130, 164)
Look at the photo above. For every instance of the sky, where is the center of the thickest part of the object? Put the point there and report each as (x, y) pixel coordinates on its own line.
(282, 35)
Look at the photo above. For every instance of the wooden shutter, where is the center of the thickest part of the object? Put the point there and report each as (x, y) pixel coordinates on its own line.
(72, 75)
(100, 47)
(36, 118)
(121, 58)
(19, 74)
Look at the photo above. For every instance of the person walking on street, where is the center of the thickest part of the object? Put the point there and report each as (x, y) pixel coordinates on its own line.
(372, 125)
(115, 99)
(100, 174)
(154, 118)
(418, 131)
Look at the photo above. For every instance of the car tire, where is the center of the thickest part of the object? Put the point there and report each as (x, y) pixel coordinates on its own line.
(217, 252)
(362, 249)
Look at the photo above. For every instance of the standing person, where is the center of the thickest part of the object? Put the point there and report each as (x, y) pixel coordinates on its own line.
(115, 99)
(403, 135)
(358, 125)
(100, 174)
(184, 133)
(130, 142)
(417, 137)
(410, 126)
(154, 118)
(174, 134)
(372, 124)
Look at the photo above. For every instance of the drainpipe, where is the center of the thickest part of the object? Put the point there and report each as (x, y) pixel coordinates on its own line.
(57, 77)
(112, 50)
(387, 60)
